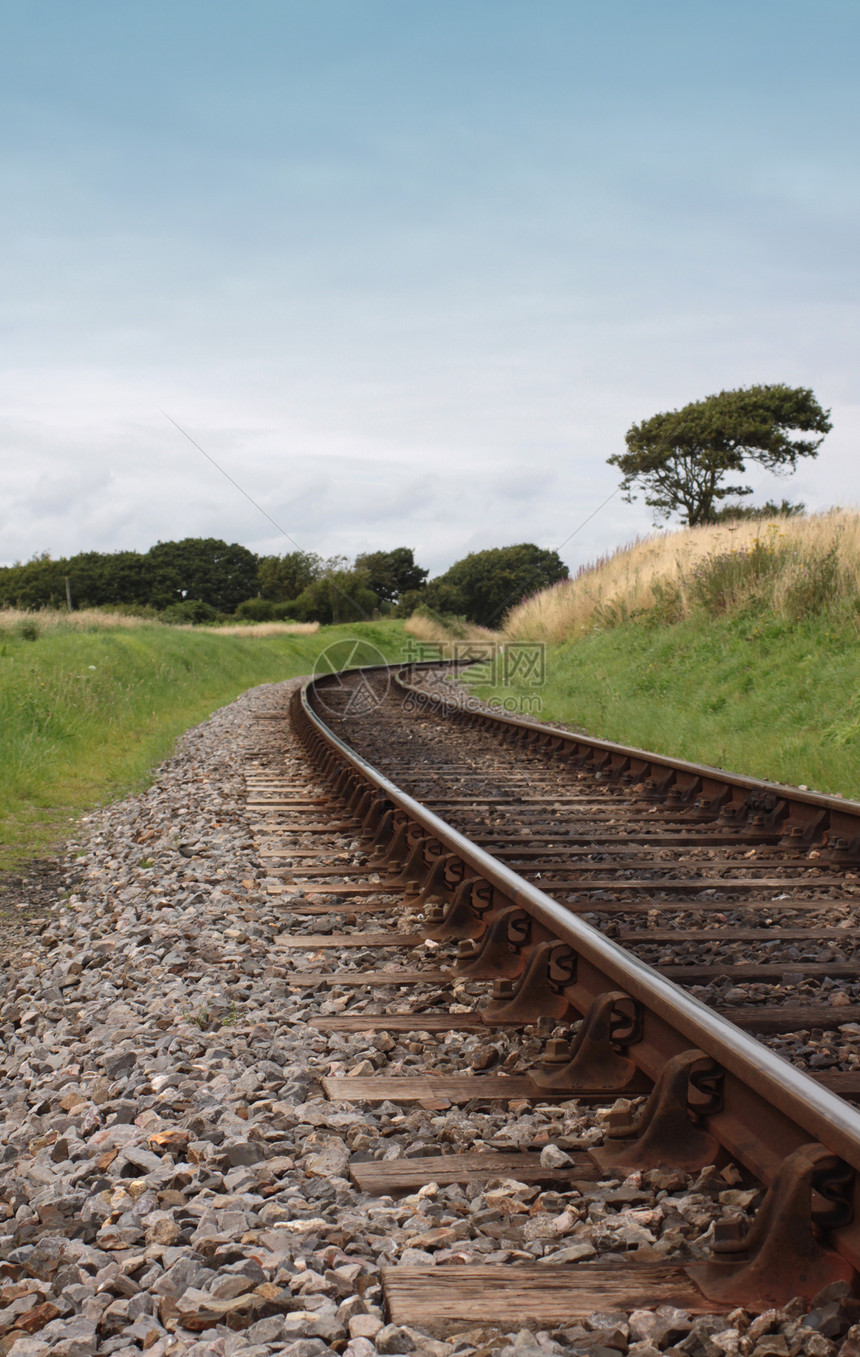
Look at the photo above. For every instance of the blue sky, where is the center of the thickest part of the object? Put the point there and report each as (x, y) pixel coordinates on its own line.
(409, 272)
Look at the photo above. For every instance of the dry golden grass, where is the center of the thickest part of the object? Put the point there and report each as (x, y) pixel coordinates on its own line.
(257, 629)
(639, 578)
(94, 619)
(425, 628)
(57, 619)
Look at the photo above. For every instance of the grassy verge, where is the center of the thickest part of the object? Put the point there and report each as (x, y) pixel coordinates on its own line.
(753, 693)
(85, 716)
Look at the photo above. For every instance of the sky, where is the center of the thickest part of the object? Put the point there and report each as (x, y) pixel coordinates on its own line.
(408, 272)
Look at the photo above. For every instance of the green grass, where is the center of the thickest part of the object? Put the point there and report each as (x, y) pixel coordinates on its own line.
(85, 717)
(754, 694)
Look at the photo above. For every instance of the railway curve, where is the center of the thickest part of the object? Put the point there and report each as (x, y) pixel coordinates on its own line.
(526, 846)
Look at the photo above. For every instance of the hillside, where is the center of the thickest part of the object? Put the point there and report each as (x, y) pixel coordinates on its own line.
(737, 646)
(793, 567)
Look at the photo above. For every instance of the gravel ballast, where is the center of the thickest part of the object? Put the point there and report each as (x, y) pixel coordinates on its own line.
(172, 1179)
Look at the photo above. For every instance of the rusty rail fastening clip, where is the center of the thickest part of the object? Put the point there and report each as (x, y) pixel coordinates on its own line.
(540, 993)
(669, 1131)
(596, 1059)
(781, 1254)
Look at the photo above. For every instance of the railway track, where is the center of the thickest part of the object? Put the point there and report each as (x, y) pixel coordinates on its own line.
(648, 936)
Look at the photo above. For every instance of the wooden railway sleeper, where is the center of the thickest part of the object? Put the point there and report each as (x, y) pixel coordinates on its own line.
(783, 1253)
(669, 1130)
(597, 1059)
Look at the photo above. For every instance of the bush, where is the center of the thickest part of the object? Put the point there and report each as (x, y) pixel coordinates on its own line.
(729, 579)
(190, 610)
(731, 513)
(256, 610)
(668, 603)
(815, 588)
(340, 597)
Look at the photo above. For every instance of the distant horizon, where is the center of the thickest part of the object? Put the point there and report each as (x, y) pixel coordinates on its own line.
(655, 531)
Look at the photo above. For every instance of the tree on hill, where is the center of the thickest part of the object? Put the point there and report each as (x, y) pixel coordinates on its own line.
(485, 584)
(679, 460)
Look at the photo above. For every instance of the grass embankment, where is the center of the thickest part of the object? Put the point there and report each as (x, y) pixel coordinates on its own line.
(743, 652)
(86, 714)
(790, 566)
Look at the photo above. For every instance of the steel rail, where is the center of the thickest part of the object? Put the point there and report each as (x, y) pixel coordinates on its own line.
(840, 807)
(770, 1108)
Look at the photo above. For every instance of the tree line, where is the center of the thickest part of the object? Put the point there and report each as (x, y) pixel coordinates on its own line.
(679, 461)
(207, 580)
